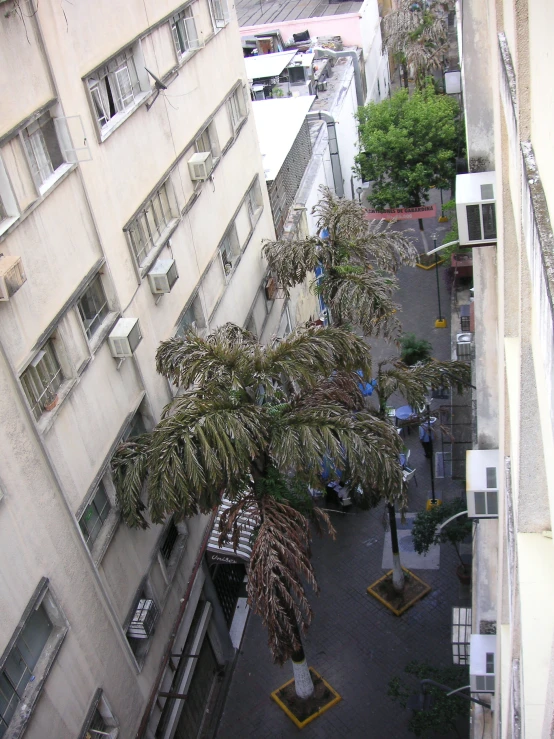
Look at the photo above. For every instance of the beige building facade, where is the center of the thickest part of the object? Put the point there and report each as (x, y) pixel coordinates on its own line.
(506, 50)
(132, 205)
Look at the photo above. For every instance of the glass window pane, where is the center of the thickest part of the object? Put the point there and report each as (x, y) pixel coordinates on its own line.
(34, 636)
(93, 307)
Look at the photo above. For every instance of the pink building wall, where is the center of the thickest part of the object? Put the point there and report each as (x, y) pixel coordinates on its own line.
(347, 26)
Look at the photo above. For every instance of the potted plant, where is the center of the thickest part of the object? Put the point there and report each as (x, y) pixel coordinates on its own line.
(426, 532)
(50, 401)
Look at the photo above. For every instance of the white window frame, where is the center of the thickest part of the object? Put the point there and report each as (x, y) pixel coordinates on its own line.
(254, 203)
(102, 509)
(236, 107)
(122, 79)
(208, 141)
(185, 33)
(41, 598)
(98, 547)
(9, 208)
(219, 13)
(102, 314)
(38, 392)
(229, 251)
(149, 229)
(100, 704)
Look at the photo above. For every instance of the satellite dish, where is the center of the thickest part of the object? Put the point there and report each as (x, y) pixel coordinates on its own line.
(159, 84)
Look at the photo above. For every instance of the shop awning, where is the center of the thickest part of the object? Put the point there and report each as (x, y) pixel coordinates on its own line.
(226, 554)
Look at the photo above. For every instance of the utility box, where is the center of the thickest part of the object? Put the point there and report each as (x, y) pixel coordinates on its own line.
(476, 208)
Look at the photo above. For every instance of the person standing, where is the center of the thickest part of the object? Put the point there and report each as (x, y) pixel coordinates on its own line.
(426, 436)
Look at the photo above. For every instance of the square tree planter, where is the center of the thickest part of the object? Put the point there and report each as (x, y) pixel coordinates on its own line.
(300, 711)
(398, 603)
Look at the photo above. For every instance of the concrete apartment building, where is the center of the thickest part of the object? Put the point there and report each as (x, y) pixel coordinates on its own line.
(506, 48)
(132, 205)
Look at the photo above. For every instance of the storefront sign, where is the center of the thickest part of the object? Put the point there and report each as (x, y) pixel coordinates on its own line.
(402, 214)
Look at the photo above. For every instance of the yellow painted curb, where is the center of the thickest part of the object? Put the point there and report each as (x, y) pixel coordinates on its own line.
(427, 589)
(431, 266)
(301, 724)
(429, 505)
(443, 219)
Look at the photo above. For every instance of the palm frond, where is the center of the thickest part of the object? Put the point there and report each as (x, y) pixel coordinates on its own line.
(291, 260)
(130, 471)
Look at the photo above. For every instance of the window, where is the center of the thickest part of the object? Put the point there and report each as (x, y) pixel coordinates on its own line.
(254, 203)
(185, 36)
(136, 427)
(93, 307)
(43, 149)
(192, 318)
(219, 13)
(115, 87)
(168, 542)
(41, 380)
(100, 722)
(3, 213)
(229, 250)
(94, 515)
(26, 662)
(21, 662)
(207, 141)
(236, 107)
(147, 229)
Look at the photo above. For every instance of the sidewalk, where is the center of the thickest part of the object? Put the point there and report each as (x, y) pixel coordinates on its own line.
(354, 642)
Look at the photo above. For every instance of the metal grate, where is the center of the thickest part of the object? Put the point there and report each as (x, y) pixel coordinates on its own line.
(461, 633)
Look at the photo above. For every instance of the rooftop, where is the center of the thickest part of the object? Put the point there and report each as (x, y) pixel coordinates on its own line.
(278, 122)
(256, 12)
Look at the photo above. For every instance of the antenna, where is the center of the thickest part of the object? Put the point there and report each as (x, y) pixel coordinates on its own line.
(159, 84)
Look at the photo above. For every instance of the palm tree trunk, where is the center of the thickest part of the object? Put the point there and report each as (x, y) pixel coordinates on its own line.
(303, 682)
(398, 578)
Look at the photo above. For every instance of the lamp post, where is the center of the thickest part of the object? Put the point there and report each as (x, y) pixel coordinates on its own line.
(359, 190)
(433, 500)
(441, 322)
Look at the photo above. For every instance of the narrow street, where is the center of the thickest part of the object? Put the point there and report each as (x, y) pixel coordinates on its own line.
(355, 643)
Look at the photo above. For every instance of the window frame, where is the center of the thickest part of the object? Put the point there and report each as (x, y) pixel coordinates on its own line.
(111, 521)
(93, 336)
(101, 706)
(102, 509)
(35, 147)
(41, 598)
(236, 108)
(209, 132)
(254, 197)
(51, 388)
(231, 246)
(123, 99)
(219, 22)
(196, 304)
(144, 242)
(181, 35)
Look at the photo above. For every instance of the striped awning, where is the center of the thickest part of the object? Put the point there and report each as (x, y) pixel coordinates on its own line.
(227, 554)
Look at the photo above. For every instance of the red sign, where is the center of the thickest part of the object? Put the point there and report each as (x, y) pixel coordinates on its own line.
(402, 214)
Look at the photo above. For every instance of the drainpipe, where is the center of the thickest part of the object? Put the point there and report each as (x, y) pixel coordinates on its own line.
(323, 115)
(320, 53)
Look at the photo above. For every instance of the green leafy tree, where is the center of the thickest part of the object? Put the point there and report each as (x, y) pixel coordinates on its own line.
(414, 350)
(359, 259)
(444, 712)
(409, 145)
(256, 423)
(425, 532)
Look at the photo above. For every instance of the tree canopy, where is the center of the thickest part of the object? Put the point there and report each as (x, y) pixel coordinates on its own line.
(257, 423)
(409, 145)
(359, 258)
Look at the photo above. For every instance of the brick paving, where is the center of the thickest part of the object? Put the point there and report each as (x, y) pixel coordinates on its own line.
(354, 641)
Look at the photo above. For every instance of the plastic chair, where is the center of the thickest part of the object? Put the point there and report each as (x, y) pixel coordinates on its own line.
(409, 474)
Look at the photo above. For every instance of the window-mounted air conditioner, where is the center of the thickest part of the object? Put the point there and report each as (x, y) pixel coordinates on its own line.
(125, 337)
(482, 659)
(201, 165)
(163, 276)
(142, 624)
(482, 483)
(463, 347)
(12, 276)
(476, 208)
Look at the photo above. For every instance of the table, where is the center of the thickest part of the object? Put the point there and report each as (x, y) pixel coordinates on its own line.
(405, 412)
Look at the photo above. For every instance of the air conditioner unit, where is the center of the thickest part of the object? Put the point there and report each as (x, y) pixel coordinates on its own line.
(463, 347)
(144, 620)
(12, 276)
(482, 659)
(201, 165)
(163, 276)
(482, 483)
(476, 208)
(125, 337)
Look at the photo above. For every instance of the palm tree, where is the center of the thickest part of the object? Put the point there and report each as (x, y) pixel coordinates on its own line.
(359, 258)
(413, 382)
(417, 35)
(256, 423)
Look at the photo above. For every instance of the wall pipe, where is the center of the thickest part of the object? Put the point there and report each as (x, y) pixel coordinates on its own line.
(321, 53)
(323, 115)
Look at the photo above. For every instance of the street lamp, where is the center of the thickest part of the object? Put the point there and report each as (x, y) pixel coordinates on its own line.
(433, 500)
(359, 190)
(441, 322)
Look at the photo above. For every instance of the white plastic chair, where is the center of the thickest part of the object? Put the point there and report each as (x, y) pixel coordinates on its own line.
(409, 474)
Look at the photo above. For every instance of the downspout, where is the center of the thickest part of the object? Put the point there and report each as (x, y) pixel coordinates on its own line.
(323, 115)
(320, 53)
